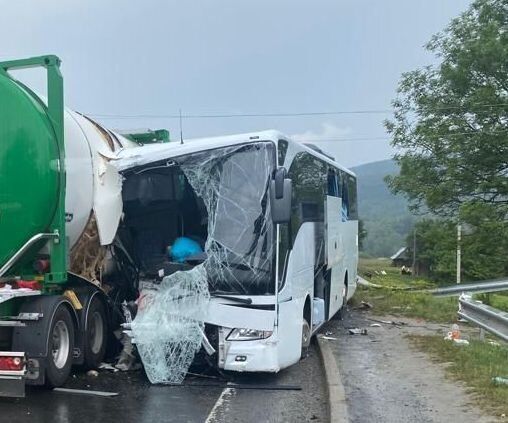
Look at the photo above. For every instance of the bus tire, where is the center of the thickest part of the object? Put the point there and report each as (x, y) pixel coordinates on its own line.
(96, 330)
(342, 311)
(306, 335)
(60, 347)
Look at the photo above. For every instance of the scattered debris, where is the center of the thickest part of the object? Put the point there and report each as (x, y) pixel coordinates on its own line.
(389, 322)
(461, 342)
(328, 333)
(383, 272)
(406, 271)
(86, 392)
(363, 306)
(92, 373)
(128, 356)
(375, 325)
(127, 359)
(107, 366)
(499, 380)
(454, 334)
(357, 331)
(330, 338)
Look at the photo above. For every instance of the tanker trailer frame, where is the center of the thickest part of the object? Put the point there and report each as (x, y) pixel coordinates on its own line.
(55, 111)
(50, 319)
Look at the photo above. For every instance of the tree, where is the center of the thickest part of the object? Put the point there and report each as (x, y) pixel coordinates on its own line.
(484, 246)
(450, 119)
(362, 233)
(435, 248)
(450, 128)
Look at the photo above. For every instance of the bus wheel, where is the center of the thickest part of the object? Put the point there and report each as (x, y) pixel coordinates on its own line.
(96, 334)
(306, 335)
(342, 311)
(61, 346)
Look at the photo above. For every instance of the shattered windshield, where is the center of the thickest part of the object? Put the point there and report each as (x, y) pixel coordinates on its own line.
(238, 256)
(233, 183)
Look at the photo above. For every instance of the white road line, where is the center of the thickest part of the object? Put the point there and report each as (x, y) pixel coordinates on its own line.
(221, 407)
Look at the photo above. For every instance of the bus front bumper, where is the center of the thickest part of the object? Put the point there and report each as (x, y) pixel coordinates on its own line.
(258, 355)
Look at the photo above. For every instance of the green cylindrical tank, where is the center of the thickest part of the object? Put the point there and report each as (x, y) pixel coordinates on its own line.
(29, 155)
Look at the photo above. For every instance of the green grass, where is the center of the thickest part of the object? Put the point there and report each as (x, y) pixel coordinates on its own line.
(393, 298)
(409, 304)
(392, 277)
(499, 301)
(475, 365)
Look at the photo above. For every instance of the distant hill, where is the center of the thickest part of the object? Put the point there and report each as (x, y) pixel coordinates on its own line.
(386, 216)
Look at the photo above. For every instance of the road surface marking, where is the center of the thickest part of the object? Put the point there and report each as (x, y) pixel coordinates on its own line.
(221, 407)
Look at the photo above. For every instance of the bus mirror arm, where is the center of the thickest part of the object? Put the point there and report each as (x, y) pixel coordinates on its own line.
(280, 175)
(280, 196)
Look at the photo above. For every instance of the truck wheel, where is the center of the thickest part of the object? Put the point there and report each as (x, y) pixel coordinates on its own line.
(96, 334)
(60, 347)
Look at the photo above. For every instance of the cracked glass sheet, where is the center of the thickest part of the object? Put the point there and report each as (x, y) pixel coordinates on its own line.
(233, 184)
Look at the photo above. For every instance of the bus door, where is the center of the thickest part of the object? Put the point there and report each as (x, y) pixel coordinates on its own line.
(334, 243)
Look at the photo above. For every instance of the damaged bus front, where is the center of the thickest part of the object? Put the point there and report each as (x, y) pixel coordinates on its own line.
(198, 222)
(233, 259)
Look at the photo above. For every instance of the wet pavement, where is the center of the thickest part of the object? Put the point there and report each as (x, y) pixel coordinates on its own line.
(387, 380)
(198, 400)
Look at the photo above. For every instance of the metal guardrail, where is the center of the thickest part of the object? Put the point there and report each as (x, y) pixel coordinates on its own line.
(492, 320)
(478, 287)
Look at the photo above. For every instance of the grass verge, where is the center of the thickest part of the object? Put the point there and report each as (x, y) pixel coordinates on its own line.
(475, 365)
(409, 304)
(392, 298)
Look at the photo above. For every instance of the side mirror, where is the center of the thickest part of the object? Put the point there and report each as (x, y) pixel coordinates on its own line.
(281, 190)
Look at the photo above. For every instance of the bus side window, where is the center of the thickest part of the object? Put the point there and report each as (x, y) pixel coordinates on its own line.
(353, 198)
(345, 200)
(333, 187)
(282, 150)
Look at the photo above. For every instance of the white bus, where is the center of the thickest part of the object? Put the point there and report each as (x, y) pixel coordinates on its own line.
(274, 224)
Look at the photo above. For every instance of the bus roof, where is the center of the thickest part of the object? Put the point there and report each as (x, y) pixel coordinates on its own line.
(129, 158)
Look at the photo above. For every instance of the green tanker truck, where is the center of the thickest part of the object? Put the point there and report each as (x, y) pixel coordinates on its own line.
(60, 206)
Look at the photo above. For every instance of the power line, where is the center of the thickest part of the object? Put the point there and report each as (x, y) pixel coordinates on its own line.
(456, 134)
(235, 115)
(301, 139)
(472, 107)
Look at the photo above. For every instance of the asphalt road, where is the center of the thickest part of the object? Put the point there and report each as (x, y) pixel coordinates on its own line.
(198, 400)
(387, 380)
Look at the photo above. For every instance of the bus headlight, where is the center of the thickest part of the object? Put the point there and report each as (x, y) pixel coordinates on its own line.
(241, 334)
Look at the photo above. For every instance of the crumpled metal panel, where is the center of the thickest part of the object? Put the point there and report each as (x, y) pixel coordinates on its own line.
(233, 183)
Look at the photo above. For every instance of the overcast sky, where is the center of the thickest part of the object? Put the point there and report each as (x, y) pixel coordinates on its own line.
(154, 57)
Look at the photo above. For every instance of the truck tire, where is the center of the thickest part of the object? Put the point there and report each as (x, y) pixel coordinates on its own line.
(95, 334)
(60, 347)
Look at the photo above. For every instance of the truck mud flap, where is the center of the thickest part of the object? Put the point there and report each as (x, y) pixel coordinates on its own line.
(12, 386)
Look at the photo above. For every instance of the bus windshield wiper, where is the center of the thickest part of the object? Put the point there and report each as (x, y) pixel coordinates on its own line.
(226, 295)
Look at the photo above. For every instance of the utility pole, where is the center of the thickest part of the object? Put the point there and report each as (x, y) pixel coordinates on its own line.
(459, 236)
(414, 252)
(181, 127)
